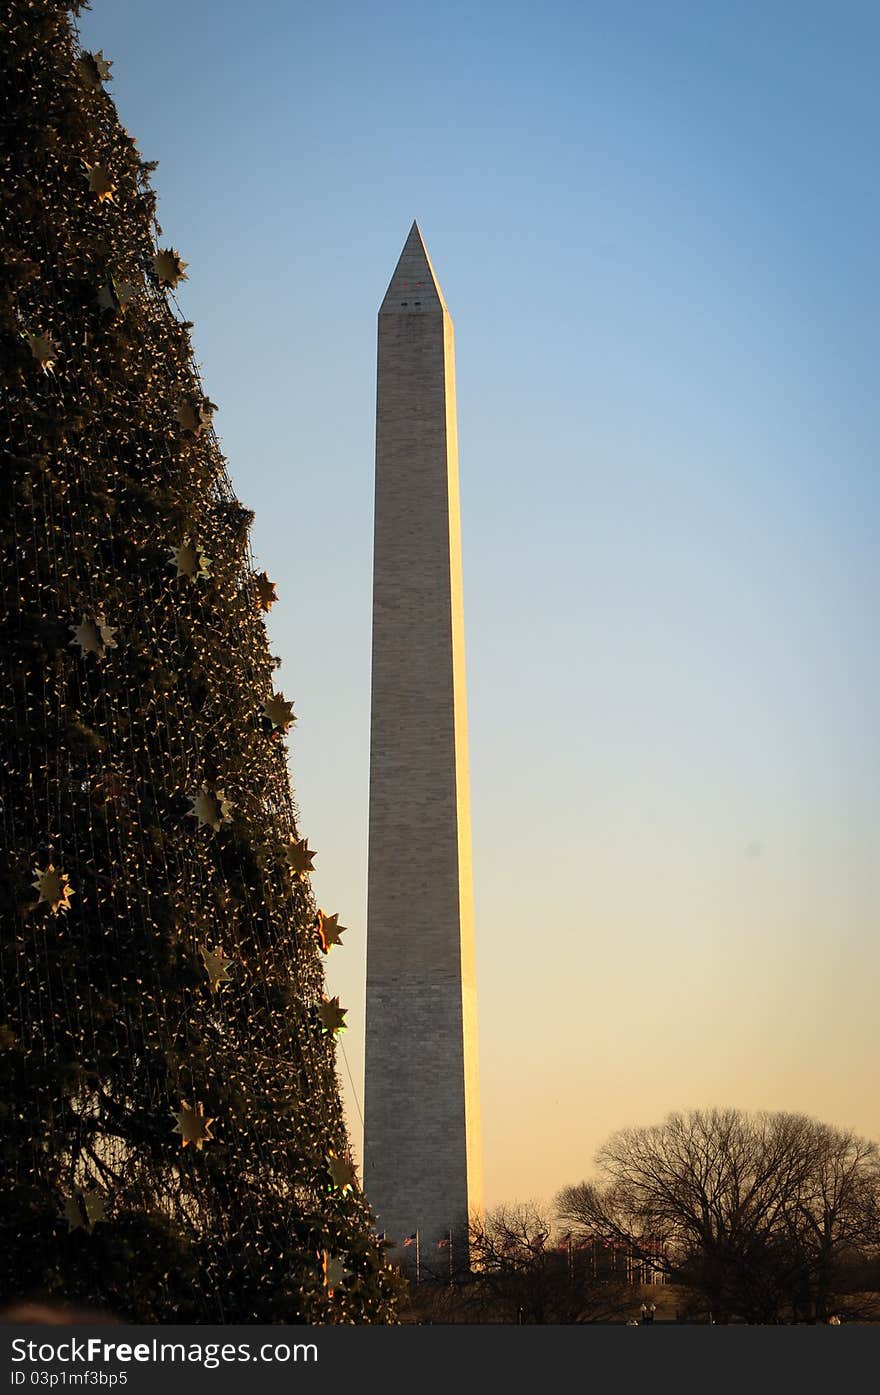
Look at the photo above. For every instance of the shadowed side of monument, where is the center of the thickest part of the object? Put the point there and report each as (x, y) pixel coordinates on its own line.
(422, 1155)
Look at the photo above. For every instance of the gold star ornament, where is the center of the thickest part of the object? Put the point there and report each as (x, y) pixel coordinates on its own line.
(168, 267)
(190, 562)
(94, 1204)
(94, 636)
(73, 1213)
(44, 350)
(53, 887)
(115, 295)
(100, 182)
(192, 1125)
(94, 69)
(215, 967)
(194, 414)
(266, 592)
(84, 1210)
(279, 712)
(330, 932)
(335, 1272)
(210, 809)
(342, 1171)
(298, 856)
(332, 1016)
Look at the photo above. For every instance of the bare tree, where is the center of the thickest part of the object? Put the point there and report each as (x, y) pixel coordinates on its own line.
(523, 1272)
(754, 1212)
(832, 1223)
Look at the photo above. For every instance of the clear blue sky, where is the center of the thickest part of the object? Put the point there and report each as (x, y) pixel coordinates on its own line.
(657, 228)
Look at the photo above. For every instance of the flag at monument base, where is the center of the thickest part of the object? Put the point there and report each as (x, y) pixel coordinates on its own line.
(411, 1239)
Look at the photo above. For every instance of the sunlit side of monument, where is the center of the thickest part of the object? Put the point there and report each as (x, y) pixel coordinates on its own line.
(422, 1152)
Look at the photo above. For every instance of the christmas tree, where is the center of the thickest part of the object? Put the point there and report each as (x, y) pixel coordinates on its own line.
(173, 1145)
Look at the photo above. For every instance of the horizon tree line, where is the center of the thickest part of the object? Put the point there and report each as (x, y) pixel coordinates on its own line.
(754, 1217)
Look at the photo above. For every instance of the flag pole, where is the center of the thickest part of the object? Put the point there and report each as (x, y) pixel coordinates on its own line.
(418, 1261)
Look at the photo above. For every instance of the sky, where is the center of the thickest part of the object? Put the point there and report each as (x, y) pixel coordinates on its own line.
(656, 229)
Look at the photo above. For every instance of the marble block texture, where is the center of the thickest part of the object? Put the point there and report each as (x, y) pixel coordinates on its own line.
(422, 1153)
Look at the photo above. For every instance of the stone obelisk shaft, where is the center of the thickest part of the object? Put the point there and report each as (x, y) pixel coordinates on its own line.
(422, 1154)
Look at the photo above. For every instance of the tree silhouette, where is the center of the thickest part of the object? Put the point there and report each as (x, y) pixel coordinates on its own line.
(765, 1216)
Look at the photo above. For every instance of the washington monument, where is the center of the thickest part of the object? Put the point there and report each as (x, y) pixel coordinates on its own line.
(422, 1153)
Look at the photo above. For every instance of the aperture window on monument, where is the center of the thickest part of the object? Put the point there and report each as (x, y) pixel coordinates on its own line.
(411, 286)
